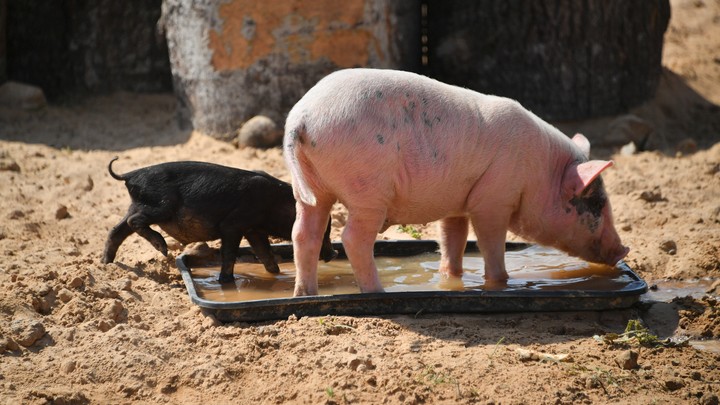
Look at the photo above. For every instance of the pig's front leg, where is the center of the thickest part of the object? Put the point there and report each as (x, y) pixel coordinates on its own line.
(358, 238)
(261, 248)
(491, 231)
(307, 235)
(453, 240)
(229, 243)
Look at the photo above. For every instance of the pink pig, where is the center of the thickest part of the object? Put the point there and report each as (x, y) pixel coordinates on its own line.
(399, 148)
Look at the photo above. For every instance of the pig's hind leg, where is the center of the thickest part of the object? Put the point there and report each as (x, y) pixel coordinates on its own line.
(116, 237)
(453, 240)
(140, 222)
(261, 247)
(307, 237)
(358, 239)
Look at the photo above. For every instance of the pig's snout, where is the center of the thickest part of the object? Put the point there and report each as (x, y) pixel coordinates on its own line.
(617, 255)
(612, 250)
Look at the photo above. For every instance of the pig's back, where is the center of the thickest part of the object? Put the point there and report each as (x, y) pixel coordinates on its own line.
(387, 113)
(209, 187)
(413, 145)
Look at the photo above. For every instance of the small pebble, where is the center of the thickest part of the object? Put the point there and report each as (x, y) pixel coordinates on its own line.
(105, 325)
(9, 165)
(125, 284)
(627, 360)
(61, 212)
(709, 399)
(16, 214)
(668, 246)
(113, 310)
(76, 282)
(27, 331)
(89, 184)
(68, 366)
(652, 196)
(674, 384)
(210, 322)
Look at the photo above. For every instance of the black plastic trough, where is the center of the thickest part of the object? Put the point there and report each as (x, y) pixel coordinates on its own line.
(414, 302)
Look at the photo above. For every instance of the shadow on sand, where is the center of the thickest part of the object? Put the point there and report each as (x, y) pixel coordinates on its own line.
(116, 122)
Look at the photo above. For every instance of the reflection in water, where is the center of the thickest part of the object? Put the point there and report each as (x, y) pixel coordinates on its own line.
(534, 268)
(706, 345)
(667, 290)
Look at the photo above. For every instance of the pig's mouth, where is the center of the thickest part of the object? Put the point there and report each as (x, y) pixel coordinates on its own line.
(613, 258)
(610, 257)
(623, 252)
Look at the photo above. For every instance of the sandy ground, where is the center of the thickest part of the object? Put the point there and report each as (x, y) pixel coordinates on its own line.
(75, 331)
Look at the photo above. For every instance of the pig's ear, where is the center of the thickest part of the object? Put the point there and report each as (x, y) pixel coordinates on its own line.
(582, 143)
(578, 177)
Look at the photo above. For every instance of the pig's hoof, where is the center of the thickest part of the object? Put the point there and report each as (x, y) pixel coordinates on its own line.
(226, 278)
(161, 247)
(330, 256)
(273, 269)
(495, 284)
(304, 291)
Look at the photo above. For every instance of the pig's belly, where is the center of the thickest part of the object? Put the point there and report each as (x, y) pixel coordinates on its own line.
(187, 229)
(420, 200)
(422, 212)
(425, 205)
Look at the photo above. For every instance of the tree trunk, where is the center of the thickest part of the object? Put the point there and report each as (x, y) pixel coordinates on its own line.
(232, 60)
(563, 59)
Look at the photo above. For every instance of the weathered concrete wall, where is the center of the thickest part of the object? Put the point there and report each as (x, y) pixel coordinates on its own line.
(232, 60)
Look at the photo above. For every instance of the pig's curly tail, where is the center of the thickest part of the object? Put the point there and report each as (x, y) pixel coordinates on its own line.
(112, 173)
(292, 142)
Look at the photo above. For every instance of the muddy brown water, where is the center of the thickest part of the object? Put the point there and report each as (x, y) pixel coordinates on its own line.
(534, 268)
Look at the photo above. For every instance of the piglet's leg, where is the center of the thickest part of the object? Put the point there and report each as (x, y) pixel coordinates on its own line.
(310, 224)
(358, 239)
(453, 239)
(327, 252)
(261, 248)
(228, 253)
(117, 235)
(140, 223)
(491, 233)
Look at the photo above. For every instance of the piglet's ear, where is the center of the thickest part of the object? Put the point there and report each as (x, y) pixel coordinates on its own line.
(578, 177)
(582, 143)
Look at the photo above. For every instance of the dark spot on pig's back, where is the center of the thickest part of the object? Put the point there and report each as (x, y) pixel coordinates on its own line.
(430, 122)
(380, 139)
